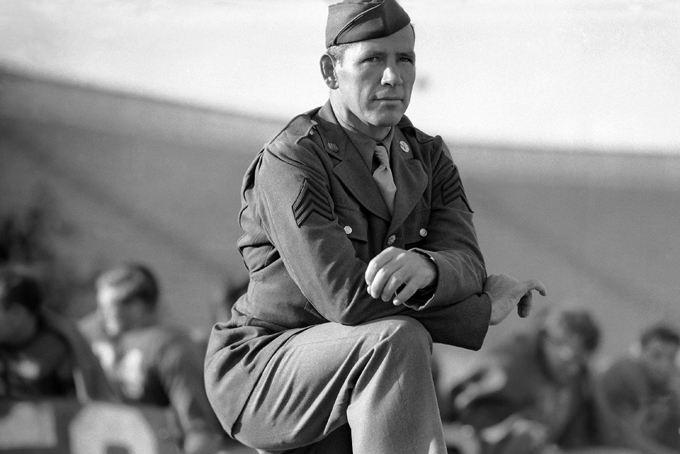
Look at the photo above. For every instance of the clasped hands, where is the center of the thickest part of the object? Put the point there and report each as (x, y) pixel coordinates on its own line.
(397, 274)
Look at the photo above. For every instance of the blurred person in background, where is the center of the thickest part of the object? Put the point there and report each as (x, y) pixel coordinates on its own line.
(232, 292)
(532, 394)
(642, 389)
(42, 354)
(361, 252)
(153, 364)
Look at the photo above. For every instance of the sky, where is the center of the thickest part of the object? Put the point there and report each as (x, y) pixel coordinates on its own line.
(595, 75)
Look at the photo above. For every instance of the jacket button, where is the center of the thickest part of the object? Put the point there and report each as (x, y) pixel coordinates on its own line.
(391, 239)
(348, 229)
(423, 233)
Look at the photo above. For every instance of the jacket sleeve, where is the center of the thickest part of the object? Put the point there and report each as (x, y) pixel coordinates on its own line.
(451, 240)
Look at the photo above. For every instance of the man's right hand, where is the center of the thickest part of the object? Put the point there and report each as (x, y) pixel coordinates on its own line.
(506, 293)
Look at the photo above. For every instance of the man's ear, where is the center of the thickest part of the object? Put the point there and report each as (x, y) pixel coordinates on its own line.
(327, 65)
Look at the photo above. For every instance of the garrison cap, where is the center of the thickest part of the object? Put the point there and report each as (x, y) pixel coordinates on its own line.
(356, 20)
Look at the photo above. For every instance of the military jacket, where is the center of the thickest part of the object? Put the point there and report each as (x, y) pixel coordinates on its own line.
(313, 218)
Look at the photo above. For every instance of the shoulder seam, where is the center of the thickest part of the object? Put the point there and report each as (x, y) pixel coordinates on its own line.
(296, 128)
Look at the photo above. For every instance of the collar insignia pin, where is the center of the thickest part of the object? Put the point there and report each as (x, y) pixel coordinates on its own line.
(333, 146)
(404, 146)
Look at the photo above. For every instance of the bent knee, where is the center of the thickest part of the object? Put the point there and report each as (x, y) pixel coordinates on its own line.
(409, 332)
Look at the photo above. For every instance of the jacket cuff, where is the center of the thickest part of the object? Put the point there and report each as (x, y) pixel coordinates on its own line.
(424, 295)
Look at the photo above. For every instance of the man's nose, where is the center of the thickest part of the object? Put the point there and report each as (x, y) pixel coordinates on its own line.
(391, 76)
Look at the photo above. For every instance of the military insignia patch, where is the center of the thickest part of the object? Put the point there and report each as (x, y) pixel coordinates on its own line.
(311, 200)
(452, 189)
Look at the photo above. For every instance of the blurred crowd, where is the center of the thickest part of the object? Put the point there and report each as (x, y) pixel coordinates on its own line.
(538, 392)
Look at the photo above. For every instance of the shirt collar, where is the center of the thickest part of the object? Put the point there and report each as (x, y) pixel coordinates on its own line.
(364, 144)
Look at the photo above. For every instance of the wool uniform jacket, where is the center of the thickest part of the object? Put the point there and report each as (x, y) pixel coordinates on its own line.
(313, 218)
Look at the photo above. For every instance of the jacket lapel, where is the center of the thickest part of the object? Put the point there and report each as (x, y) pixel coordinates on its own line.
(350, 168)
(409, 176)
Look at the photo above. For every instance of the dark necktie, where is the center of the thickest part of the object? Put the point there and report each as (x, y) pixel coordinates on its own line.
(383, 176)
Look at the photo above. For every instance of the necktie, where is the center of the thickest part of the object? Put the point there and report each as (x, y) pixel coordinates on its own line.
(383, 176)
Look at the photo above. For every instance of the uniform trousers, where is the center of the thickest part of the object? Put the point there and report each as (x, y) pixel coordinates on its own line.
(347, 389)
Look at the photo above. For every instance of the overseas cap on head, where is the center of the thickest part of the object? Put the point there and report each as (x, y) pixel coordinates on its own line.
(356, 20)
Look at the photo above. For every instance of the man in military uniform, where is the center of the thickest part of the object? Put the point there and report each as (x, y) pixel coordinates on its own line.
(361, 251)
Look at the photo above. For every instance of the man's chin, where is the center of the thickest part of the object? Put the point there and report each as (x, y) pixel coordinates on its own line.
(388, 119)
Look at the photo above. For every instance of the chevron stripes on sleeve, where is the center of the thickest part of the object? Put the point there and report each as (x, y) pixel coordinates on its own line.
(311, 200)
(452, 189)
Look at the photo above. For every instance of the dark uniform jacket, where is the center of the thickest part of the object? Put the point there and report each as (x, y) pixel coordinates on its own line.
(56, 362)
(313, 218)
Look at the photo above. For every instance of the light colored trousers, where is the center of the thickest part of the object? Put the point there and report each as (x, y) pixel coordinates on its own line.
(364, 389)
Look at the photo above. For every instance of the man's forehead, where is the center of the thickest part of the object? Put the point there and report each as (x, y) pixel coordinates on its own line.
(111, 295)
(558, 330)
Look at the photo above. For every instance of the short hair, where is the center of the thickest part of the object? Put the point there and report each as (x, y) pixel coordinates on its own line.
(337, 51)
(661, 331)
(579, 321)
(133, 280)
(19, 286)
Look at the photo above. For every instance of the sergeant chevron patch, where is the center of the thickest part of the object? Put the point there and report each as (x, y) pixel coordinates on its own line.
(452, 189)
(310, 200)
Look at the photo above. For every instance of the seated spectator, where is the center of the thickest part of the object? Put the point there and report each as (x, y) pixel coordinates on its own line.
(531, 394)
(42, 354)
(642, 389)
(149, 363)
(233, 291)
